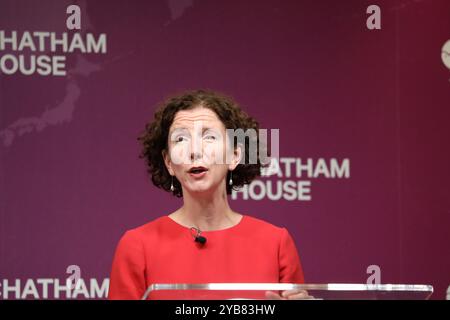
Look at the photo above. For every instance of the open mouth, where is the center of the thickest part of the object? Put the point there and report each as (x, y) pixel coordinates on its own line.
(196, 170)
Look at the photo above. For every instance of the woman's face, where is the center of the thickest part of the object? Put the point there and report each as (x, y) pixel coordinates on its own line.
(198, 148)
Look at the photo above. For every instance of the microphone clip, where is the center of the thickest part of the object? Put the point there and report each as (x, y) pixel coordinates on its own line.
(196, 233)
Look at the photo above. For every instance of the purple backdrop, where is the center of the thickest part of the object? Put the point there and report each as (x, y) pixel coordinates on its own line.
(71, 181)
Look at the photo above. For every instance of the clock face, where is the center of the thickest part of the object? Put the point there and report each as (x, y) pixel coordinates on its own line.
(446, 54)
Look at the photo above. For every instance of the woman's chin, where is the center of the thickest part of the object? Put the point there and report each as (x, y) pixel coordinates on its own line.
(200, 189)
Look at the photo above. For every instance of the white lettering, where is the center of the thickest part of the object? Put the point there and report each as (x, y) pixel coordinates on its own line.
(4, 40)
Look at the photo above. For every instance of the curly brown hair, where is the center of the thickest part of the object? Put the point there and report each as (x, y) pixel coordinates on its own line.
(154, 138)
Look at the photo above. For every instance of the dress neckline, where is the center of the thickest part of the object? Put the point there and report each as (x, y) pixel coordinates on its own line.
(237, 225)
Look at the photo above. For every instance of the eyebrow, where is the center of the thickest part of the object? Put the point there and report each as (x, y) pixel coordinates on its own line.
(184, 128)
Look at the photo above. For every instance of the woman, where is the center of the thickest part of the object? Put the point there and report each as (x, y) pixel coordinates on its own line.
(204, 240)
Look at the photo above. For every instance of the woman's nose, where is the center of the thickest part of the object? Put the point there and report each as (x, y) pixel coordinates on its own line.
(196, 149)
(195, 156)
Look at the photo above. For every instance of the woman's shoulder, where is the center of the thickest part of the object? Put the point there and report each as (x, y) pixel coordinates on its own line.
(147, 229)
(263, 225)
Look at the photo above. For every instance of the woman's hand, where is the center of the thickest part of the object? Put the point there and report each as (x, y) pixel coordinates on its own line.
(289, 295)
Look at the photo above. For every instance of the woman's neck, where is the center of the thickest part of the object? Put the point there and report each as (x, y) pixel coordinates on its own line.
(207, 213)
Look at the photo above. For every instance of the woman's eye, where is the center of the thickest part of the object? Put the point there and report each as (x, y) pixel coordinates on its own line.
(210, 137)
(179, 139)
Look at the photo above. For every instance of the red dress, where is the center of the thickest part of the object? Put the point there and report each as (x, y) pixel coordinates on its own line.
(163, 251)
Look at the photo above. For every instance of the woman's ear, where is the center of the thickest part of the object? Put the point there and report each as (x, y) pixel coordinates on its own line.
(236, 157)
(167, 162)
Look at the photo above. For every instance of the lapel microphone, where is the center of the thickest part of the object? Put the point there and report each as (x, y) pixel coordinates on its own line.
(196, 233)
